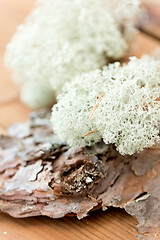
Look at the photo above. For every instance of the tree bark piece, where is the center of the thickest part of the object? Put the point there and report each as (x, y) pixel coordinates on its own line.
(41, 175)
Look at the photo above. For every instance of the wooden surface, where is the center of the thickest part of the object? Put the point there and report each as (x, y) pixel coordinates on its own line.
(113, 224)
(150, 19)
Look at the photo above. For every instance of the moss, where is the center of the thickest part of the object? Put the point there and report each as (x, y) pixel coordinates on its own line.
(61, 39)
(127, 114)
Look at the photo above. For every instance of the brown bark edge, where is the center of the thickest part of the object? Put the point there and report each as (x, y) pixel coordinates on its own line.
(40, 175)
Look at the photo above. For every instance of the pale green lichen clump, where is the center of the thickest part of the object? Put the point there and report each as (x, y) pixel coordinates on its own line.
(127, 114)
(61, 39)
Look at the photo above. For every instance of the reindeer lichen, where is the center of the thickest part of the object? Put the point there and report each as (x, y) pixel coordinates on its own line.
(61, 39)
(127, 115)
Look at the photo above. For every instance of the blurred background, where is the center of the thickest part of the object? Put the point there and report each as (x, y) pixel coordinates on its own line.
(150, 20)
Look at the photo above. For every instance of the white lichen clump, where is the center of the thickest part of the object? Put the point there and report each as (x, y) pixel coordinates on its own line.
(61, 39)
(119, 104)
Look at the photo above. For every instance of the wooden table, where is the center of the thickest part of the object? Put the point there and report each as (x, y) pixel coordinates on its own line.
(113, 224)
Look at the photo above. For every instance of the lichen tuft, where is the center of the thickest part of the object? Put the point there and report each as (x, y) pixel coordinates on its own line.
(128, 114)
(61, 39)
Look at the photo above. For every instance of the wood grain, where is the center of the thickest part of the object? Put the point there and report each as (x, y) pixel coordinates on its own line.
(110, 225)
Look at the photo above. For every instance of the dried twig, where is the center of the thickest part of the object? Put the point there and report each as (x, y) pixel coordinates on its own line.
(89, 133)
(96, 106)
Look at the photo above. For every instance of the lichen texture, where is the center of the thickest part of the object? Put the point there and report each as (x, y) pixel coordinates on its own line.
(61, 39)
(119, 104)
